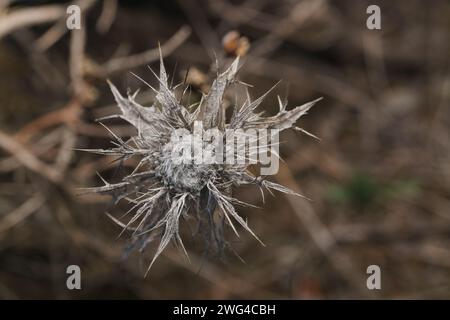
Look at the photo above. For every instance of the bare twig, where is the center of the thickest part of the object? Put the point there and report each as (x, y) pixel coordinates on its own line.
(299, 14)
(67, 114)
(51, 76)
(26, 209)
(208, 37)
(59, 29)
(319, 233)
(249, 13)
(4, 4)
(51, 36)
(118, 64)
(77, 44)
(107, 16)
(39, 147)
(30, 16)
(69, 140)
(27, 158)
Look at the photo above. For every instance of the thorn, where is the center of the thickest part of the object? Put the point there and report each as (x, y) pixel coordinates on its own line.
(104, 181)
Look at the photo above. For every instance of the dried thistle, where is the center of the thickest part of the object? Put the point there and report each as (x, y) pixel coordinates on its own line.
(162, 190)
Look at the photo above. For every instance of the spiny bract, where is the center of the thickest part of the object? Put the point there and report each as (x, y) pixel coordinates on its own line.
(162, 192)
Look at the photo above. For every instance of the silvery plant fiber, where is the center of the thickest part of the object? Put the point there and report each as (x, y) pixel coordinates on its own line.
(163, 192)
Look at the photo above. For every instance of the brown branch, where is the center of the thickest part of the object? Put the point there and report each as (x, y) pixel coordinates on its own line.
(77, 47)
(27, 158)
(59, 29)
(31, 16)
(68, 114)
(107, 16)
(118, 64)
(320, 233)
(299, 14)
(26, 209)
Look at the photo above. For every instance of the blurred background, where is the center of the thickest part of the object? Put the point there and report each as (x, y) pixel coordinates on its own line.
(379, 178)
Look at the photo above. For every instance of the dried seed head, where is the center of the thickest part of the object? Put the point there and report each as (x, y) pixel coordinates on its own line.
(168, 183)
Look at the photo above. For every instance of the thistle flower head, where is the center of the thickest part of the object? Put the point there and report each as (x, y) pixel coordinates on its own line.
(167, 185)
